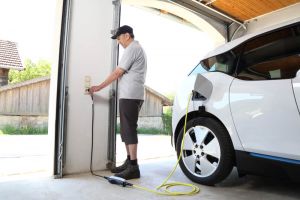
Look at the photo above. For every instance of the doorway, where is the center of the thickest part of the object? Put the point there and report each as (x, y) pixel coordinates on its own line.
(173, 47)
(30, 32)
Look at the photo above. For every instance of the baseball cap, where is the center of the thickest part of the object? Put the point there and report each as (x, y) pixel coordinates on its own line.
(122, 30)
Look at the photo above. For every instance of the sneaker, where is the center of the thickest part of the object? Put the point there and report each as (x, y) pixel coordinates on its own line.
(121, 167)
(131, 172)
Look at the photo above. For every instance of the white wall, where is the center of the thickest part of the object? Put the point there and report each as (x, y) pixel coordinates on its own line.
(89, 54)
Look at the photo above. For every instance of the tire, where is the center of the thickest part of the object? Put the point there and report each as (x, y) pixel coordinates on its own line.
(208, 155)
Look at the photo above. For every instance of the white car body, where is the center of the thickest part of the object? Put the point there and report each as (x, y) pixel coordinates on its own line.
(261, 117)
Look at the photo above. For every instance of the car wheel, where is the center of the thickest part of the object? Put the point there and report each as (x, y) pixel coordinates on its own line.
(207, 155)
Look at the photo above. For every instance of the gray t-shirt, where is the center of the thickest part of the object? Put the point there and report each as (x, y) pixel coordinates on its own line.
(134, 62)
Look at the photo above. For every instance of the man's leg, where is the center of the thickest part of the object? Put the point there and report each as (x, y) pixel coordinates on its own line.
(127, 149)
(130, 113)
(132, 170)
(124, 165)
(123, 127)
(132, 149)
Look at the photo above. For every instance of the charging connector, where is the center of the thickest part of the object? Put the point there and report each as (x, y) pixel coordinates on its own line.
(118, 181)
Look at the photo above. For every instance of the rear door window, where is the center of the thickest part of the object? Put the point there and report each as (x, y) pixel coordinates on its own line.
(272, 56)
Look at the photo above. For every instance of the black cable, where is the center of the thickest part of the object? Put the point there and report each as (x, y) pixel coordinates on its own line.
(112, 179)
(92, 145)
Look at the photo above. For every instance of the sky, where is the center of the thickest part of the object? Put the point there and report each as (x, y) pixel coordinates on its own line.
(30, 23)
(172, 48)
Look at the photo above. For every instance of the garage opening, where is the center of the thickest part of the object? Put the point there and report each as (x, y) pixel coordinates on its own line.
(174, 45)
(28, 65)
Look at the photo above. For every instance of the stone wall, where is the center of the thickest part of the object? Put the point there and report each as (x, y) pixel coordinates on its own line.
(148, 122)
(42, 121)
(23, 121)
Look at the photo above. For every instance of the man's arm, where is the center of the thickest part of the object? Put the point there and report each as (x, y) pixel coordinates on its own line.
(118, 72)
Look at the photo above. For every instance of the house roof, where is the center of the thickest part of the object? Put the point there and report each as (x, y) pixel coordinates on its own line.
(165, 100)
(9, 55)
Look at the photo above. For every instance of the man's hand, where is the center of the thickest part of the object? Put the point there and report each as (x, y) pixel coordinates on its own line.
(94, 89)
(118, 72)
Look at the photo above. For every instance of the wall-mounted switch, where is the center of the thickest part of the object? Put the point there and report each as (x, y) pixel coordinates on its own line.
(87, 84)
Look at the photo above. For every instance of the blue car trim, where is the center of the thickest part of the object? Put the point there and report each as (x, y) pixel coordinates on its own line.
(276, 158)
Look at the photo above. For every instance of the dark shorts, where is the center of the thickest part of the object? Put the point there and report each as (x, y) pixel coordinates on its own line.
(129, 112)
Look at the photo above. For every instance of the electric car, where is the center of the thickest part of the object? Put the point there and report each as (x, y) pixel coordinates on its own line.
(244, 108)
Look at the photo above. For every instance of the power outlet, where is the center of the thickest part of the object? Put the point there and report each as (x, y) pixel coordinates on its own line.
(87, 84)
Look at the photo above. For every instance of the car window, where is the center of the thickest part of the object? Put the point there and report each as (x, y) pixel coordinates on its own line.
(199, 69)
(272, 56)
(224, 62)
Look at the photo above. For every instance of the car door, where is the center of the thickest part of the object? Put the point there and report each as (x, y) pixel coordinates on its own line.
(262, 97)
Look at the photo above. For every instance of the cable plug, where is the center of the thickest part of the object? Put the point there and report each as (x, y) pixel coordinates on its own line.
(91, 94)
(118, 181)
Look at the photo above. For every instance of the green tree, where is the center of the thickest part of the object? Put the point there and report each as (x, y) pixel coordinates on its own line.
(167, 120)
(167, 116)
(171, 96)
(32, 70)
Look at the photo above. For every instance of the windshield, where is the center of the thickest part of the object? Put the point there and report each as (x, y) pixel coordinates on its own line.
(199, 69)
(219, 63)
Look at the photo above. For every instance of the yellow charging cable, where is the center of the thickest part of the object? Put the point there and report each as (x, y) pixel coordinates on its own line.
(164, 188)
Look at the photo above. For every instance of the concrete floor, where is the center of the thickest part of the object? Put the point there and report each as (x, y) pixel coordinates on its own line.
(154, 171)
(24, 154)
(155, 165)
(28, 154)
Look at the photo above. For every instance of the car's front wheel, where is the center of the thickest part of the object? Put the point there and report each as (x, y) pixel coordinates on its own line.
(207, 154)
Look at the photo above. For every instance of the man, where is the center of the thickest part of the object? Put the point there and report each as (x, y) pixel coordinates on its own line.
(131, 72)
